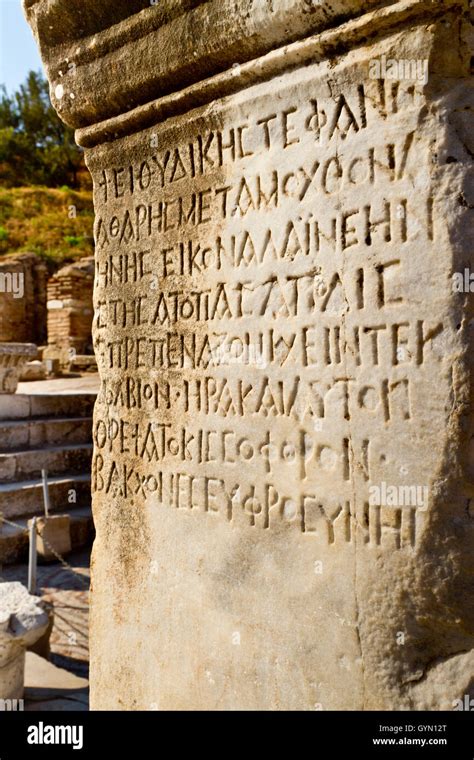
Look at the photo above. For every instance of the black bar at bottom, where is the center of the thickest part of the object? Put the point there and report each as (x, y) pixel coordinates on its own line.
(155, 734)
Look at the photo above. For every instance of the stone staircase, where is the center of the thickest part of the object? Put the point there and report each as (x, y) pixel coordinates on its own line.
(51, 432)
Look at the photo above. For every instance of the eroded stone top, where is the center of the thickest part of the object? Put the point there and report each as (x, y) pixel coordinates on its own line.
(106, 58)
(21, 615)
(28, 350)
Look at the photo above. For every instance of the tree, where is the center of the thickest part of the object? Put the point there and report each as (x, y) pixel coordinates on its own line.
(36, 148)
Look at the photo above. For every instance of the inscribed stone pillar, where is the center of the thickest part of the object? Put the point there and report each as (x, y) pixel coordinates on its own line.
(283, 471)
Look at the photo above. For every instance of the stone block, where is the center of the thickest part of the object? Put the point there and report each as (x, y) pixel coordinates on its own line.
(35, 370)
(83, 363)
(53, 536)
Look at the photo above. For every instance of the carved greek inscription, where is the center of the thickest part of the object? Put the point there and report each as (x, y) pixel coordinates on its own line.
(259, 341)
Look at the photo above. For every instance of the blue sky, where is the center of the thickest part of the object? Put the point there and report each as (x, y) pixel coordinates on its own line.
(18, 53)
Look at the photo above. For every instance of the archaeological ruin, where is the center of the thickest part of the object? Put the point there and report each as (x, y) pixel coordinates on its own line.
(23, 280)
(70, 311)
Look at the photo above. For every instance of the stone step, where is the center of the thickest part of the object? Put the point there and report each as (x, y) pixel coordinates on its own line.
(26, 433)
(25, 499)
(14, 540)
(28, 463)
(22, 406)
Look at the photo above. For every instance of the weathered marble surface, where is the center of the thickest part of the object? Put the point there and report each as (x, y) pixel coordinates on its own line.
(283, 466)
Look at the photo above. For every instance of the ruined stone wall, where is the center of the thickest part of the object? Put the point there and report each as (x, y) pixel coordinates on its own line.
(70, 308)
(23, 279)
(282, 476)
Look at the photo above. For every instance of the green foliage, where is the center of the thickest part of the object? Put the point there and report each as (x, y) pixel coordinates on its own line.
(73, 240)
(35, 147)
(36, 219)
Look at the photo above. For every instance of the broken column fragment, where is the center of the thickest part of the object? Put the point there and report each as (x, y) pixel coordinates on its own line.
(22, 622)
(283, 440)
(13, 359)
